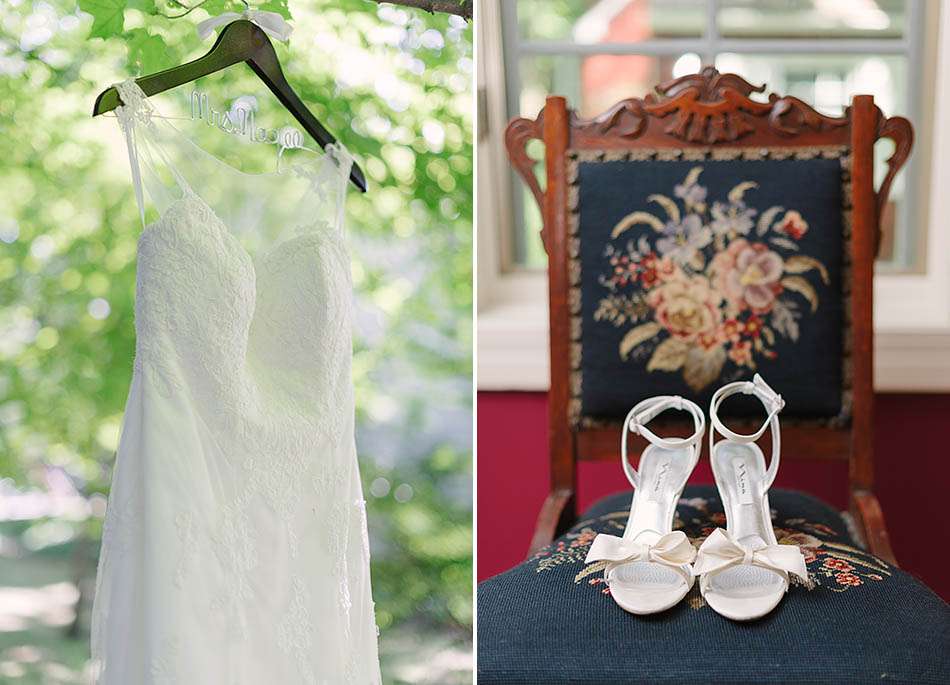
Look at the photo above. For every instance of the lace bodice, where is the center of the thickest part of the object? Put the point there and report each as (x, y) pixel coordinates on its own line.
(236, 505)
(235, 330)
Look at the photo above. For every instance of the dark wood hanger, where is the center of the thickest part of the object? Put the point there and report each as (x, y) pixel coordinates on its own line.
(239, 41)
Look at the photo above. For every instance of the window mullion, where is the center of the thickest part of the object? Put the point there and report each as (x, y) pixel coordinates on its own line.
(712, 32)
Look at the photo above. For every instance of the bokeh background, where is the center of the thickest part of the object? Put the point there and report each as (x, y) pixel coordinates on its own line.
(394, 84)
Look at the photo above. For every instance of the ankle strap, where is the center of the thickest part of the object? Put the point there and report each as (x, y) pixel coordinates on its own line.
(773, 403)
(643, 413)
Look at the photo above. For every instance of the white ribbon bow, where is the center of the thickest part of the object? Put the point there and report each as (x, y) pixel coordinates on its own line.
(673, 549)
(720, 551)
(272, 23)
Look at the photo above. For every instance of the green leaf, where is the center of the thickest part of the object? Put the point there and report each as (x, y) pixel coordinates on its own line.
(669, 355)
(279, 6)
(637, 335)
(803, 287)
(635, 218)
(147, 53)
(799, 264)
(672, 211)
(702, 367)
(146, 6)
(735, 195)
(216, 7)
(108, 17)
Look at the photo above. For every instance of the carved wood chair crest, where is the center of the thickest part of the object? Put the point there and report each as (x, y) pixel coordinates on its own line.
(704, 109)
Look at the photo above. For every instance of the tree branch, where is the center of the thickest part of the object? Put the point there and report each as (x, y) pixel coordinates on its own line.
(461, 8)
(188, 10)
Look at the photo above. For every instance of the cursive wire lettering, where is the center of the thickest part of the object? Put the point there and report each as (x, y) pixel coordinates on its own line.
(241, 122)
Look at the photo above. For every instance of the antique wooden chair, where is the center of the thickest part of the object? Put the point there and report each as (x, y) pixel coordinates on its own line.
(708, 117)
(667, 197)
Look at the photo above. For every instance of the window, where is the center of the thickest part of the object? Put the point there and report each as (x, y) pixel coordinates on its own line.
(596, 52)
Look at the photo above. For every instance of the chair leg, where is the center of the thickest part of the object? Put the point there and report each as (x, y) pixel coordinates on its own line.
(867, 512)
(558, 513)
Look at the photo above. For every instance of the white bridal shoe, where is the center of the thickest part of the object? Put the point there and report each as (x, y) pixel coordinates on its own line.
(744, 572)
(648, 569)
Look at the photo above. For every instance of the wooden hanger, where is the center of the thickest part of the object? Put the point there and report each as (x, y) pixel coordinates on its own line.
(239, 41)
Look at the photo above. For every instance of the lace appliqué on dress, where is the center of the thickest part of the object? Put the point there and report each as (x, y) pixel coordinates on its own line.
(295, 631)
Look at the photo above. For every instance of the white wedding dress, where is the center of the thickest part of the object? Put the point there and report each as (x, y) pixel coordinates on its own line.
(234, 550)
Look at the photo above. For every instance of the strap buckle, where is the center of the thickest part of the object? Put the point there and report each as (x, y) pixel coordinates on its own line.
(758, 386)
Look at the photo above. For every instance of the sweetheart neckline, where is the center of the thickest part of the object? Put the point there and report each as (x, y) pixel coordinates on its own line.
(254, 294)
(319, 229)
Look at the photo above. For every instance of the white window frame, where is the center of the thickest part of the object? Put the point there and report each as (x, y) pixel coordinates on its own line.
(911, 310)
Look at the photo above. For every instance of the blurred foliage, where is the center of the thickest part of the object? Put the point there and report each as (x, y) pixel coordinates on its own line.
(394, 85)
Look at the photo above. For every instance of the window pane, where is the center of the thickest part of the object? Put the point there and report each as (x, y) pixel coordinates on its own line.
(609, 21)
(811, 18)
(828, 82)
(591, 84)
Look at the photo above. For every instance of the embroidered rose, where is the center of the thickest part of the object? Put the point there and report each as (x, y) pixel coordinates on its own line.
(837, 564)
(741, 353)
(686, 307)
(709, 339)
(732, 330)
(848, 579)
(585, 538)
(753, 326)
(793, 225)
(647, 270)
(747, 274)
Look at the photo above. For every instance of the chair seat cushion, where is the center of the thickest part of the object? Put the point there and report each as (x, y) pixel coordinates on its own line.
(858, 619)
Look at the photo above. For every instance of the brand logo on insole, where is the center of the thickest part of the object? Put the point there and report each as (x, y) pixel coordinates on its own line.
(742, 481)
(662, 473)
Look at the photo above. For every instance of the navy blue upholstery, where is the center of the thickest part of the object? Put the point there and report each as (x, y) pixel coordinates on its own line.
(694, 273)
(548, 620)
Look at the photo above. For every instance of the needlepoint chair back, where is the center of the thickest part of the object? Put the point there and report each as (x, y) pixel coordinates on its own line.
(698, 236)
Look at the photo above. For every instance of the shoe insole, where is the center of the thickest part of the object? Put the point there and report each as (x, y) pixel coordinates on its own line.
(663, 472)
(740, 476)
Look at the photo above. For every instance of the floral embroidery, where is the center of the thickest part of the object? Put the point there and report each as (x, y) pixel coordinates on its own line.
(832, 565)
(711, 285)
(295, 630)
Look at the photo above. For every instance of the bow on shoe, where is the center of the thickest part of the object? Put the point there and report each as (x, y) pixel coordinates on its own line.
(673, 549)
(270, 22)
(720, 551)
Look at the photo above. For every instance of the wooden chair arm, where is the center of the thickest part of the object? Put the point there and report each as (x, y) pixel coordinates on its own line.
(557, 515)
(868, 514)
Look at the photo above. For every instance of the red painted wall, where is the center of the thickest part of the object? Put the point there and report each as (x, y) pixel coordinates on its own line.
(912, 479)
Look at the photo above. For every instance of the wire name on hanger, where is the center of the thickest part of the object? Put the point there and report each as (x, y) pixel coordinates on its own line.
(240, 121)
